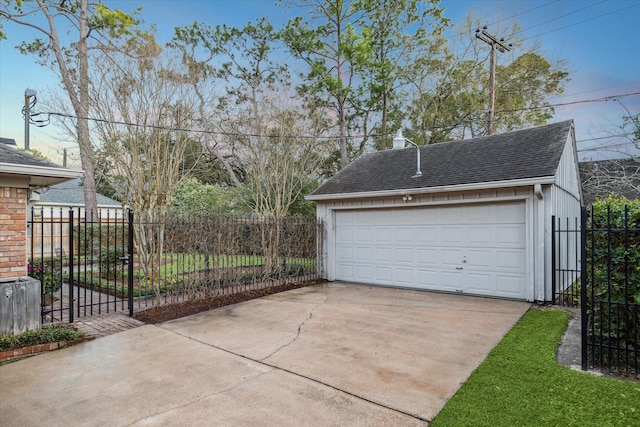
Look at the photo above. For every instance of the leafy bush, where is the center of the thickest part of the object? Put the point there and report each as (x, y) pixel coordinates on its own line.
(48, 272)
(613, 247)
(47, 334)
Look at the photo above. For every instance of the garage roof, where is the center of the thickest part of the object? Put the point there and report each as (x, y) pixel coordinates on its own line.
(521, 155)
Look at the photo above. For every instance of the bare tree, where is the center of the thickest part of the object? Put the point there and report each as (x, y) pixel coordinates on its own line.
(618, 177)
(279, 163)
(95, 27)
(147, 151)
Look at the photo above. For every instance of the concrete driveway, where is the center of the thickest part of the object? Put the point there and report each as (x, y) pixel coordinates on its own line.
(332, 354)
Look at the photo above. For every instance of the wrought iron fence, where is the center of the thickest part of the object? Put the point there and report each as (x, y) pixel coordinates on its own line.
(128, 262)
(606, 287)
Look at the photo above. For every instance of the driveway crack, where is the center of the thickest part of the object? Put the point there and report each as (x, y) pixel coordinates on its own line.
(294, 339)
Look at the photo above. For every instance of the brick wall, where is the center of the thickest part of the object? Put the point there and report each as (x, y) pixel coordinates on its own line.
(13, 232)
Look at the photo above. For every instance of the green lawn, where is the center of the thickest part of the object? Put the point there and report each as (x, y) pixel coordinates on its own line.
(520, 384)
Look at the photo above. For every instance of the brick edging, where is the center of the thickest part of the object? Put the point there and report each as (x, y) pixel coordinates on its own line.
(39, 348)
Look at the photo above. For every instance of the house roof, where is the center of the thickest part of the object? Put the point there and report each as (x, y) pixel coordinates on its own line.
(37, 172)
(70, 193)
(523, 155)
(620, 177)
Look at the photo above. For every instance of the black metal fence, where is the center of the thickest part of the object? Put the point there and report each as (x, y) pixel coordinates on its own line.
(123, 262)
(606, 286)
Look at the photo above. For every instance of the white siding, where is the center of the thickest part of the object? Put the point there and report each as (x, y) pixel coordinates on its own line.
(565, 199)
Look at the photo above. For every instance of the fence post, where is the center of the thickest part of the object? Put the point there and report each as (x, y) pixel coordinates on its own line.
(130, 265)
(583, 284)
(553, 258)
(71, 266)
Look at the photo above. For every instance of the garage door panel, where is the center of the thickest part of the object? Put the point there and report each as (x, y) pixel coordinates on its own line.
(383, 255)
(404, 276)
(509, 212)
(384, 275)
(451, 235)
(404, 255)
(451, 257)
(479, 259)
(451, 280)
(479, 235)
(383, 235)
(404, 235)
(473, 248)
(480, 283)
(427, 257)
(427, 278)
(364, 235)
(345, 271)
(510, 260)
(344, 235)
(364, 253)
(345, 253)
(510, 235)
(364, 273)
(509, 286)
(426, 236)
(480, 214)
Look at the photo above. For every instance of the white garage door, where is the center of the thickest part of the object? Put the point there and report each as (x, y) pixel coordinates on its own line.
(477, 248)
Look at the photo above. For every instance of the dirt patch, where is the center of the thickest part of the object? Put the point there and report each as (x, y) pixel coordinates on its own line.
(186, 308)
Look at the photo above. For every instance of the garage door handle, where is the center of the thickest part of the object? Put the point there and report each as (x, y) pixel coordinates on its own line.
(459, 268)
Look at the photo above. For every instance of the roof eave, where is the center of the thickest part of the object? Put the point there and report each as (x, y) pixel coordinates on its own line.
(40, 176)
(441, 189)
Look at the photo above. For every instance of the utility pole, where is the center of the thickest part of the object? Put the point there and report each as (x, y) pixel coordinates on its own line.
(28, 94)
(495, 45)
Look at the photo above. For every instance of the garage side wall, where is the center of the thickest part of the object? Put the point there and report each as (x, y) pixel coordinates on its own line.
(565, 199)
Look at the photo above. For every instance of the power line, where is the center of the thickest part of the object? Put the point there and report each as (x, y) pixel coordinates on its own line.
(514, 15)
(608, 147)
(240, 134)
(584, 101)
(559, 17)
(620, 135)
(581, 22)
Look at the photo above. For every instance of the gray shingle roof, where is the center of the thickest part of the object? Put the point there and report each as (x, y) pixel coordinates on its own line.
(529, 153)
(10, 154)
(71, 193)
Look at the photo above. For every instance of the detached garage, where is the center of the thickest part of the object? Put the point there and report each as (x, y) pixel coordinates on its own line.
(477, 220)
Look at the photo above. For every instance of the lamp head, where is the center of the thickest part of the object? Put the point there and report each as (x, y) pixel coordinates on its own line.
(398, 140)
(28, 93)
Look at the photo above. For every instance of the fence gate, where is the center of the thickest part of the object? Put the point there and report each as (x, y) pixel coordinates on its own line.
(82, 264)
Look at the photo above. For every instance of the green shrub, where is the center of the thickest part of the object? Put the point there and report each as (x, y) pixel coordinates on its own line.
(47, 334)
(48, 272)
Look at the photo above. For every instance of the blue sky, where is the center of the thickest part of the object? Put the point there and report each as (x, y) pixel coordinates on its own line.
(598, 39)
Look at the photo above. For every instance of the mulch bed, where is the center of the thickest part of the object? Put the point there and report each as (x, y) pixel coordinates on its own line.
(177, 310)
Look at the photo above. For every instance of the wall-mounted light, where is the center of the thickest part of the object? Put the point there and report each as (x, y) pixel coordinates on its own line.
(399, 142)
(407, 198)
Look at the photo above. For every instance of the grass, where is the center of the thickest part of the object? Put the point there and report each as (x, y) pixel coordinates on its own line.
(51, 333)
(521, 384)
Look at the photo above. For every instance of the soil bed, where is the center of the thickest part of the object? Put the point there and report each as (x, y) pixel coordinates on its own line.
(177, 310)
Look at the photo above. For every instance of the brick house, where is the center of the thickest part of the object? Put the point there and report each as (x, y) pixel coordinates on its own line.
(21, 173)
